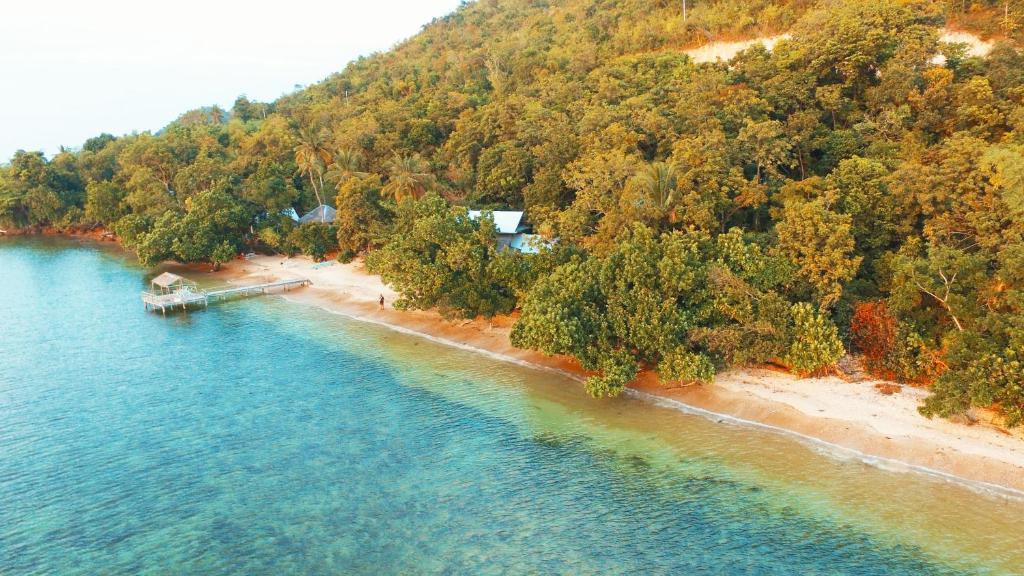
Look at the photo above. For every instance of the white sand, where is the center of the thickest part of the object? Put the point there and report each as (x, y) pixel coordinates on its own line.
(349, 279)
(892, 416)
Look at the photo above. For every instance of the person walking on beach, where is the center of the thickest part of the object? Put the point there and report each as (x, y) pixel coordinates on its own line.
(381, 301)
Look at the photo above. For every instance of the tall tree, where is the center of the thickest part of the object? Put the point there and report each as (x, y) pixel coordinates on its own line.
(311, 158)
(345, 165)
(659, 185)
(408, 177)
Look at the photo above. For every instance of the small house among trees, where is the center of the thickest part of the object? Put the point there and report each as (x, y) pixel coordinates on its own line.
(529, 243)
(513, 231)
(322, 214)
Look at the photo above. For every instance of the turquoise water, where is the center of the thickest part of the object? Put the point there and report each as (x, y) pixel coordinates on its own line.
(266, 437)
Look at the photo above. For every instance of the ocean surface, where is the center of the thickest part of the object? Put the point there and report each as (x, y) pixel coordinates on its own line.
(268, 437)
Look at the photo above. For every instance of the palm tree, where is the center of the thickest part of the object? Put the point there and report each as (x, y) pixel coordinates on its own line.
(311, 156)
(407, 176)
(659, 185)
(348, 163)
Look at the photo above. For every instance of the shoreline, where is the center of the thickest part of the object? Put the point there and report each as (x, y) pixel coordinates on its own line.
(845, 419)
(841, 418)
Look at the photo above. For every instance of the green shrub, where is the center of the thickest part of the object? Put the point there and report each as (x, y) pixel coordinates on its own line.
(816, 345)
(314, 240)
(683, 365)
(618, 368)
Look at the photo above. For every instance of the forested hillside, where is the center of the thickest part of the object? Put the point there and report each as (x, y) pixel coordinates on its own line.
(842, 192)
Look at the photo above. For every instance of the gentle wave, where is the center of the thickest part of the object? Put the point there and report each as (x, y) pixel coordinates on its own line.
(834, 450)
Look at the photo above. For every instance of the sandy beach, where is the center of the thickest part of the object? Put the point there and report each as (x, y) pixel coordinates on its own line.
(851, 419)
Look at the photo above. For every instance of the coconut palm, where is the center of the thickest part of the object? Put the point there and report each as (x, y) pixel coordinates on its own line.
(311, 156)
(347, 163)
(659, 186)
(408, 176)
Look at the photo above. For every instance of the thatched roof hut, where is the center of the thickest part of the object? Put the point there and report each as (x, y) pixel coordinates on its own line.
(168, 282)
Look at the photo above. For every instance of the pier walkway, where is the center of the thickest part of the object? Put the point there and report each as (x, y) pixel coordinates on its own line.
(184, 294)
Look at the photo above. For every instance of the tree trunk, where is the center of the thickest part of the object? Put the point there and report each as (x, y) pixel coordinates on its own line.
(945, 305)
(312, 183)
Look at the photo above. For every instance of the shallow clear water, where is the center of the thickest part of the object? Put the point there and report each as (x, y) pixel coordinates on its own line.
(265, 437)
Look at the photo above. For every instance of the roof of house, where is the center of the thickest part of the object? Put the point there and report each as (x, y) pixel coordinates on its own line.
(322, 213)
(290, 213)
(166, 280)
(506, 221)
(529, 243)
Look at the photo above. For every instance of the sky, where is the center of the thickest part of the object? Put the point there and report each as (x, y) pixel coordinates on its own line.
(72, 69)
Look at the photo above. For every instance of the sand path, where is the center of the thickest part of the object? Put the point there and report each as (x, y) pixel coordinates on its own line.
(725, 51)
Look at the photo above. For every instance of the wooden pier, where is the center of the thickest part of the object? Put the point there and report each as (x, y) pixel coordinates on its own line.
(172, 292)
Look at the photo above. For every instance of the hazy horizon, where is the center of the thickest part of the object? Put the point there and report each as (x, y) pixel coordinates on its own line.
(79, 70)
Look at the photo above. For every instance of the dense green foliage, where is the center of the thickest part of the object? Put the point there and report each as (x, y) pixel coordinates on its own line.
(707, 215)
(437, 257)
(683, 301)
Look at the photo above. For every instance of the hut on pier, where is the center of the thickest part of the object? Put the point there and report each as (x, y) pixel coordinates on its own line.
(168, 283)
